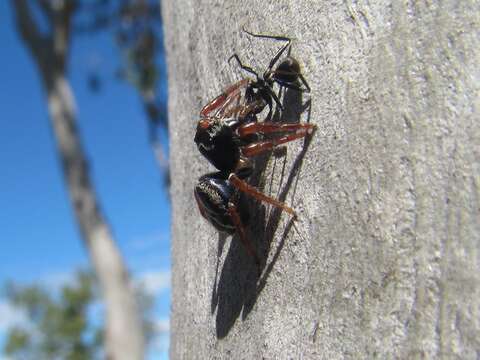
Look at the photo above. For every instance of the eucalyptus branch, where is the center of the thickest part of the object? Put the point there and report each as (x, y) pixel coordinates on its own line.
(28, 29)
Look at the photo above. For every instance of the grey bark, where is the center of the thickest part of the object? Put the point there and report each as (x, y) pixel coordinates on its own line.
(123, 330)
(383, 261)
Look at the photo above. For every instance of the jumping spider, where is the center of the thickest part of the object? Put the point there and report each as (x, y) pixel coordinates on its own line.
(228, 134)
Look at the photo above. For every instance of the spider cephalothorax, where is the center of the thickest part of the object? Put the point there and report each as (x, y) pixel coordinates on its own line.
(218, 143)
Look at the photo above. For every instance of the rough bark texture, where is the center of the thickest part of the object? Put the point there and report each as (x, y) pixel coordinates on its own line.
(123, 328)
(383, 261)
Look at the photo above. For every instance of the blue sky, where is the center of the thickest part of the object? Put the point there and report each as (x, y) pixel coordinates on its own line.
(39, 239)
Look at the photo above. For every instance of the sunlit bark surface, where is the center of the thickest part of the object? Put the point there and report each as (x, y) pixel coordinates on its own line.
(383, 261)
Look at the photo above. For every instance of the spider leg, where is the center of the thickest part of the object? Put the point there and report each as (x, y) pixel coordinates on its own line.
(226, 110)
(221, 101)
(243, 110)
(232, 210)
(259, 147)
(250, 190)
(271, 127)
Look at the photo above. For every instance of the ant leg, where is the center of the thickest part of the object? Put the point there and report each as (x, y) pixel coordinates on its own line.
(271, 127)
(278, 54)
(244, 67)
(280, 38)
(224, 98)
(304, 82)
(232, 211)
(275, 98)
(267, 145)
(295, 87)
(267, 97)
(250, 190)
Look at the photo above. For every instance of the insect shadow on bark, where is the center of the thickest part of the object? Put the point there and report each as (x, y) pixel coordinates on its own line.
(239, 283)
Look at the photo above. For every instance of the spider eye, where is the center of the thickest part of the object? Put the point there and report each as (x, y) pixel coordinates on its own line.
(204, 124)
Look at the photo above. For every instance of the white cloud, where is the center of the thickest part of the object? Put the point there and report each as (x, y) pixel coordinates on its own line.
(160, 343)
(57, 280)
(148, 241)
(162, 325)
(11, 316)
(154, 282)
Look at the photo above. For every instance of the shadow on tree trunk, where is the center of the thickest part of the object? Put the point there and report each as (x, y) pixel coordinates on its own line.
(239, 284)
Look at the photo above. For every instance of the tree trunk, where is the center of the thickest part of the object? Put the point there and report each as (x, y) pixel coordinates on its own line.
(383, 261)
(124, 338)
(123, 328)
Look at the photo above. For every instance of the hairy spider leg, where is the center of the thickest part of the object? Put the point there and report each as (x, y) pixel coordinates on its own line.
(222, 102)
(271, 127)
(298, 131)
(250, 190)
(241, 111)
(232, 210)
(224, 99)
(267, 145)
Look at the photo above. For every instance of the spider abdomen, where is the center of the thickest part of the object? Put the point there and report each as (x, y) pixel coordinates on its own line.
(213, 194)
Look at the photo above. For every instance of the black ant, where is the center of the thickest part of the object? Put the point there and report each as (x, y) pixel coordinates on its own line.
(287, 74)
(227, 135)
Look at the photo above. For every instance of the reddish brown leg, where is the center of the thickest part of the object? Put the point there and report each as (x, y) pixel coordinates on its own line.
(243, 110)
(220, 101)
(228, 110)
(270, 127)
(250, 190)
(267, 145)
(232, 210)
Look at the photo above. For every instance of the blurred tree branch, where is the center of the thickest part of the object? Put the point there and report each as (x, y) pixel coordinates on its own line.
(63, 324)
(138, 34)
(123, 331)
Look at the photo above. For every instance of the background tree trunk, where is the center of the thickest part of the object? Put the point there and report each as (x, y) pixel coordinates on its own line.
(123, 330)
(384, 258)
